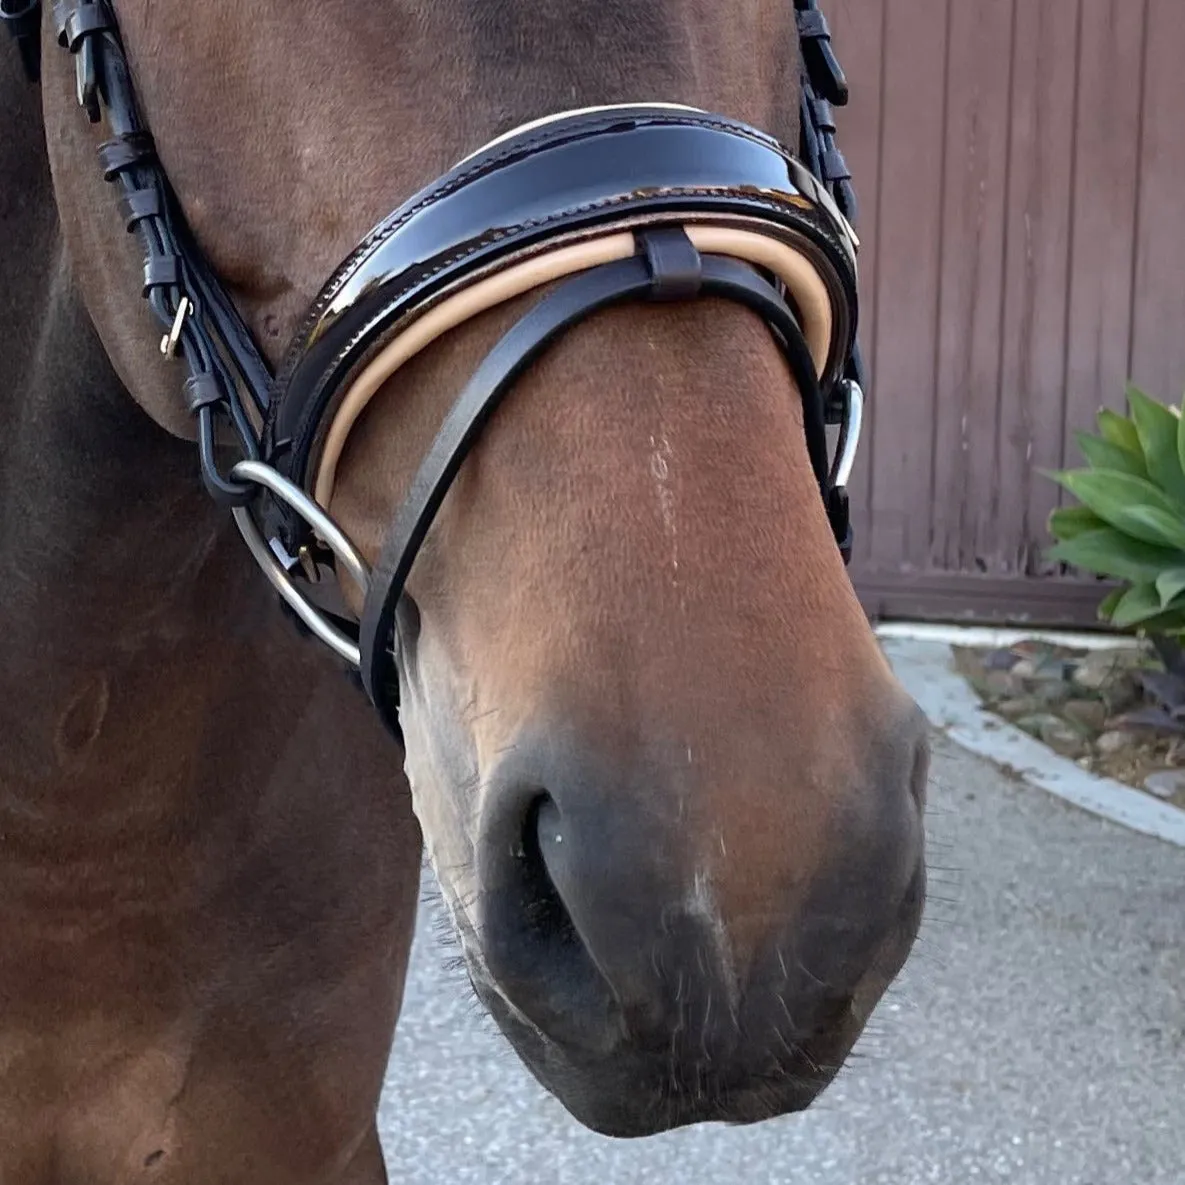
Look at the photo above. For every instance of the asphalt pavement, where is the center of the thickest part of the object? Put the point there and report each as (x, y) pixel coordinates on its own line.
(1036, 1036)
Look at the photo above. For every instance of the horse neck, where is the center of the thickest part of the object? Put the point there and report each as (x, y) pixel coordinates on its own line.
(115, 569)
(104, 533)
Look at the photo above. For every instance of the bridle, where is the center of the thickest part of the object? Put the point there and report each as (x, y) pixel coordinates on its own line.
(645, 201)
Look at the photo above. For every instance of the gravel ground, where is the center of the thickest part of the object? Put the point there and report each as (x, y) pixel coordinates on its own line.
(1037, 1035)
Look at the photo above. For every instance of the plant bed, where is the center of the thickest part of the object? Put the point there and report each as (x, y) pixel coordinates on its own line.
(1115, 712)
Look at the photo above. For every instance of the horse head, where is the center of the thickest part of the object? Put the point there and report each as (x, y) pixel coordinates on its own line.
(670, 787)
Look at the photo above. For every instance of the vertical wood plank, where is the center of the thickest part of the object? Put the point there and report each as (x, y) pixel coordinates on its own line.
(1106, 184)
(906, 250)
(1033, 358)
(1158, 312)
(858, 39)
(966, 488)
(1028, 257)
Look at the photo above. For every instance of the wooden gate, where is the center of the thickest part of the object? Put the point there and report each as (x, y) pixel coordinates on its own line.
(1021, 171)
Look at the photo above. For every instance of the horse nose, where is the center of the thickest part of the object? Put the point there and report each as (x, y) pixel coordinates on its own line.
(571, 913)
(602, 925)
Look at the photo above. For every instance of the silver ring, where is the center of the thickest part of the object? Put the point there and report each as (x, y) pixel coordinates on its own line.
(312, 514)
(849, 434)
(326, 528)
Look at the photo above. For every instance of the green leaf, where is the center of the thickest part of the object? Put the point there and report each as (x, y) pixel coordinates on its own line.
(1171, 621)
(1138, 603)
(1129, 503)
(1102, 454)
(1112, 553)
(1119, 430)
(1067, 522)
(1170, 584)
(1108, 603)
(1158, 427)
(1181, 440)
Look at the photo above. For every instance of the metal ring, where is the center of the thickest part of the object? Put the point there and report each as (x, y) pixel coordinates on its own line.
(312, 514)
(264, 475)
(341, 645)
(849, 434)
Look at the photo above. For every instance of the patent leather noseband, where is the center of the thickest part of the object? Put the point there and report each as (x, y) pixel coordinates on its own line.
(649, 201)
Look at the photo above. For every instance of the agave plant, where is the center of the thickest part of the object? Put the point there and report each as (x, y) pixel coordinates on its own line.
(1131, 521)
(1131, 526)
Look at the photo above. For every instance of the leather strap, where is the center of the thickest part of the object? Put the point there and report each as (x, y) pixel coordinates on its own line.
(226, 369)
(141, 203)
(223, 363)
(22, 19)
(212, 338)
(823, 86)
(669, 268)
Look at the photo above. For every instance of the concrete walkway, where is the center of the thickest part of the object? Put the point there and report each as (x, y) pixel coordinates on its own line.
(1037, 1035)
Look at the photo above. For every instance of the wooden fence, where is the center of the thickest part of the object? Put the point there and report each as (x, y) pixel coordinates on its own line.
(1021, 170)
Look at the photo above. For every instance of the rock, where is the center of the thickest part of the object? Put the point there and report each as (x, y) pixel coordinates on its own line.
(1166, 783)
(1093, 671)
(1045, 668)
(1020, 705)
(1053, 694)
(1090, 714)
(1036, 723)
(969, 664)
(1062, 737)
(1029, 646)
(1115, 740)
(1101, 666)
(1001, 683)
(999, 660)
(1121, 693)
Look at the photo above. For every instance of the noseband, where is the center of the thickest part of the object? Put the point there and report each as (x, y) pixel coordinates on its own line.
(648, 201)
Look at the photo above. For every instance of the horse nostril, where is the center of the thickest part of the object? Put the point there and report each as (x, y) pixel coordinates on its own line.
(546, 914)
(532, 946)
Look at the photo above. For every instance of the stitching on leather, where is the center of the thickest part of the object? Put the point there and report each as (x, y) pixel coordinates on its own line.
(307, 427)
(388, 227)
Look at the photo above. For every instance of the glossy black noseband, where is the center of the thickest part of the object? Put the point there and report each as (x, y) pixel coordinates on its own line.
(567, 192)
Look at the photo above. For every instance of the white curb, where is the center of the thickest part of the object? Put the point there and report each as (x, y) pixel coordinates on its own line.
(926, 669)
(986, 635)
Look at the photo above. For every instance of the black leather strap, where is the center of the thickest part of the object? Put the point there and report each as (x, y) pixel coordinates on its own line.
(823, 85)
(676, 267)
(22, 19)
(79, 20)
(126, 151)
(226, 369)
(223, 362)
(823, 69)
(141, 203)
(580, 174)
(664, 268)
(213, 338)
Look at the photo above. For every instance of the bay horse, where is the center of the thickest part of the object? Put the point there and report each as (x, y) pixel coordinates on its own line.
(540, 473)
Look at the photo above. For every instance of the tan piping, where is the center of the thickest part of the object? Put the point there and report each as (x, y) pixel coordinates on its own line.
(795, 270)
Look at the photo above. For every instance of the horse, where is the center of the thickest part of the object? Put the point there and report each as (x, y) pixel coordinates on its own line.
(514, 544)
